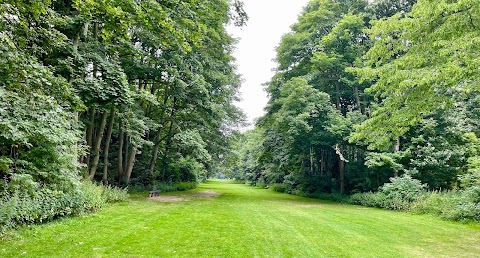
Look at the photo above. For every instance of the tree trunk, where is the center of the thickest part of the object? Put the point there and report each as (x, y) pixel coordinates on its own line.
(364, 109)
(165, 153)
(125, 152)
(341, 168)
(322, 163)
(153, 161)
(396, 148)
(337, 96)
(95, 36)
(311, 160)
(357, 99)
(96, 148)
(131, 161)
(169, 136)
(120, 153)
(91, 120)
(107, 146)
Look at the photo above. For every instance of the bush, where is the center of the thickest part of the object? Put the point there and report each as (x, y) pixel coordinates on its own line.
(44, 204)
(397, 195)
(278, 188)
(403, 188)
(184, 186)
(457, 205)
(114, 194)
(408, 194)
(262, 185)
(368, 199)
(173, 187)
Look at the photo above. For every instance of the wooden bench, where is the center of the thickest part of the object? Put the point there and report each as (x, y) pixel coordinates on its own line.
(154, 193)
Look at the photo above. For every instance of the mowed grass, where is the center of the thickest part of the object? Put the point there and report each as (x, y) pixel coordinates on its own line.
(243, 221)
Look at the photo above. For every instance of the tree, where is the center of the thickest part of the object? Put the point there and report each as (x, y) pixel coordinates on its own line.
(417, 63)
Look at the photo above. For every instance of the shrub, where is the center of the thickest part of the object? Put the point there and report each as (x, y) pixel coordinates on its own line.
(397, 195)
(173, 187)
(403, 188)
(408, 194)
(457, 205)
(114, 194)
(278, 188)
(262, 185)
(368, 199)
(184, 186)
(44, 204)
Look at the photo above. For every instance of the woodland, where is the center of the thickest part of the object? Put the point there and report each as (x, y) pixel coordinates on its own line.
(121, 93)
(373, 103)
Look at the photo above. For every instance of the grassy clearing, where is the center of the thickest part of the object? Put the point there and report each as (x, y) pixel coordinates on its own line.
(243, 221)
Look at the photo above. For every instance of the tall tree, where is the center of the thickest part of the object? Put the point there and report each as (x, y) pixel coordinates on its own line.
(416, 63)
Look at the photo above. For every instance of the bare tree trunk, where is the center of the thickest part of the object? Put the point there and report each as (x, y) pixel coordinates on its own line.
(91, 120)
(396, 147)
(341, 168)
(131, 161)
(96, 148)
(120, 153)
(107, 145)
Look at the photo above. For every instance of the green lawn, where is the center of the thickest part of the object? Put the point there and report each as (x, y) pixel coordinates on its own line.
(243, 221)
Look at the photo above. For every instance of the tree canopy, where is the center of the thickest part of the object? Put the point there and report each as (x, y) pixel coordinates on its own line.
(365, 91)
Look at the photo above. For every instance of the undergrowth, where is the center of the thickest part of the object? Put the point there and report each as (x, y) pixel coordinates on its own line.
(407, 194)
(166, 187)
(44, 204)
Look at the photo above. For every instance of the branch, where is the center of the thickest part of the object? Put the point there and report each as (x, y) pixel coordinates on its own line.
(339, 153)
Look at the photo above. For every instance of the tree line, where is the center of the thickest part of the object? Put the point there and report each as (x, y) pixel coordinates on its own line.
(368, 91)
(120, 92)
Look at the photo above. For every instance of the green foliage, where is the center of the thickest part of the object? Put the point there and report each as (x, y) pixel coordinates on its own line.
(407, 194)
(113, 194)
(398, 78)
(71, 71)
(187, 170)
(400, 194)
(368, 199)
(278, 188)
(417, 62)
(174, 187)
(404, 188)
(472, 177)
(39, 204)
(458, 205)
